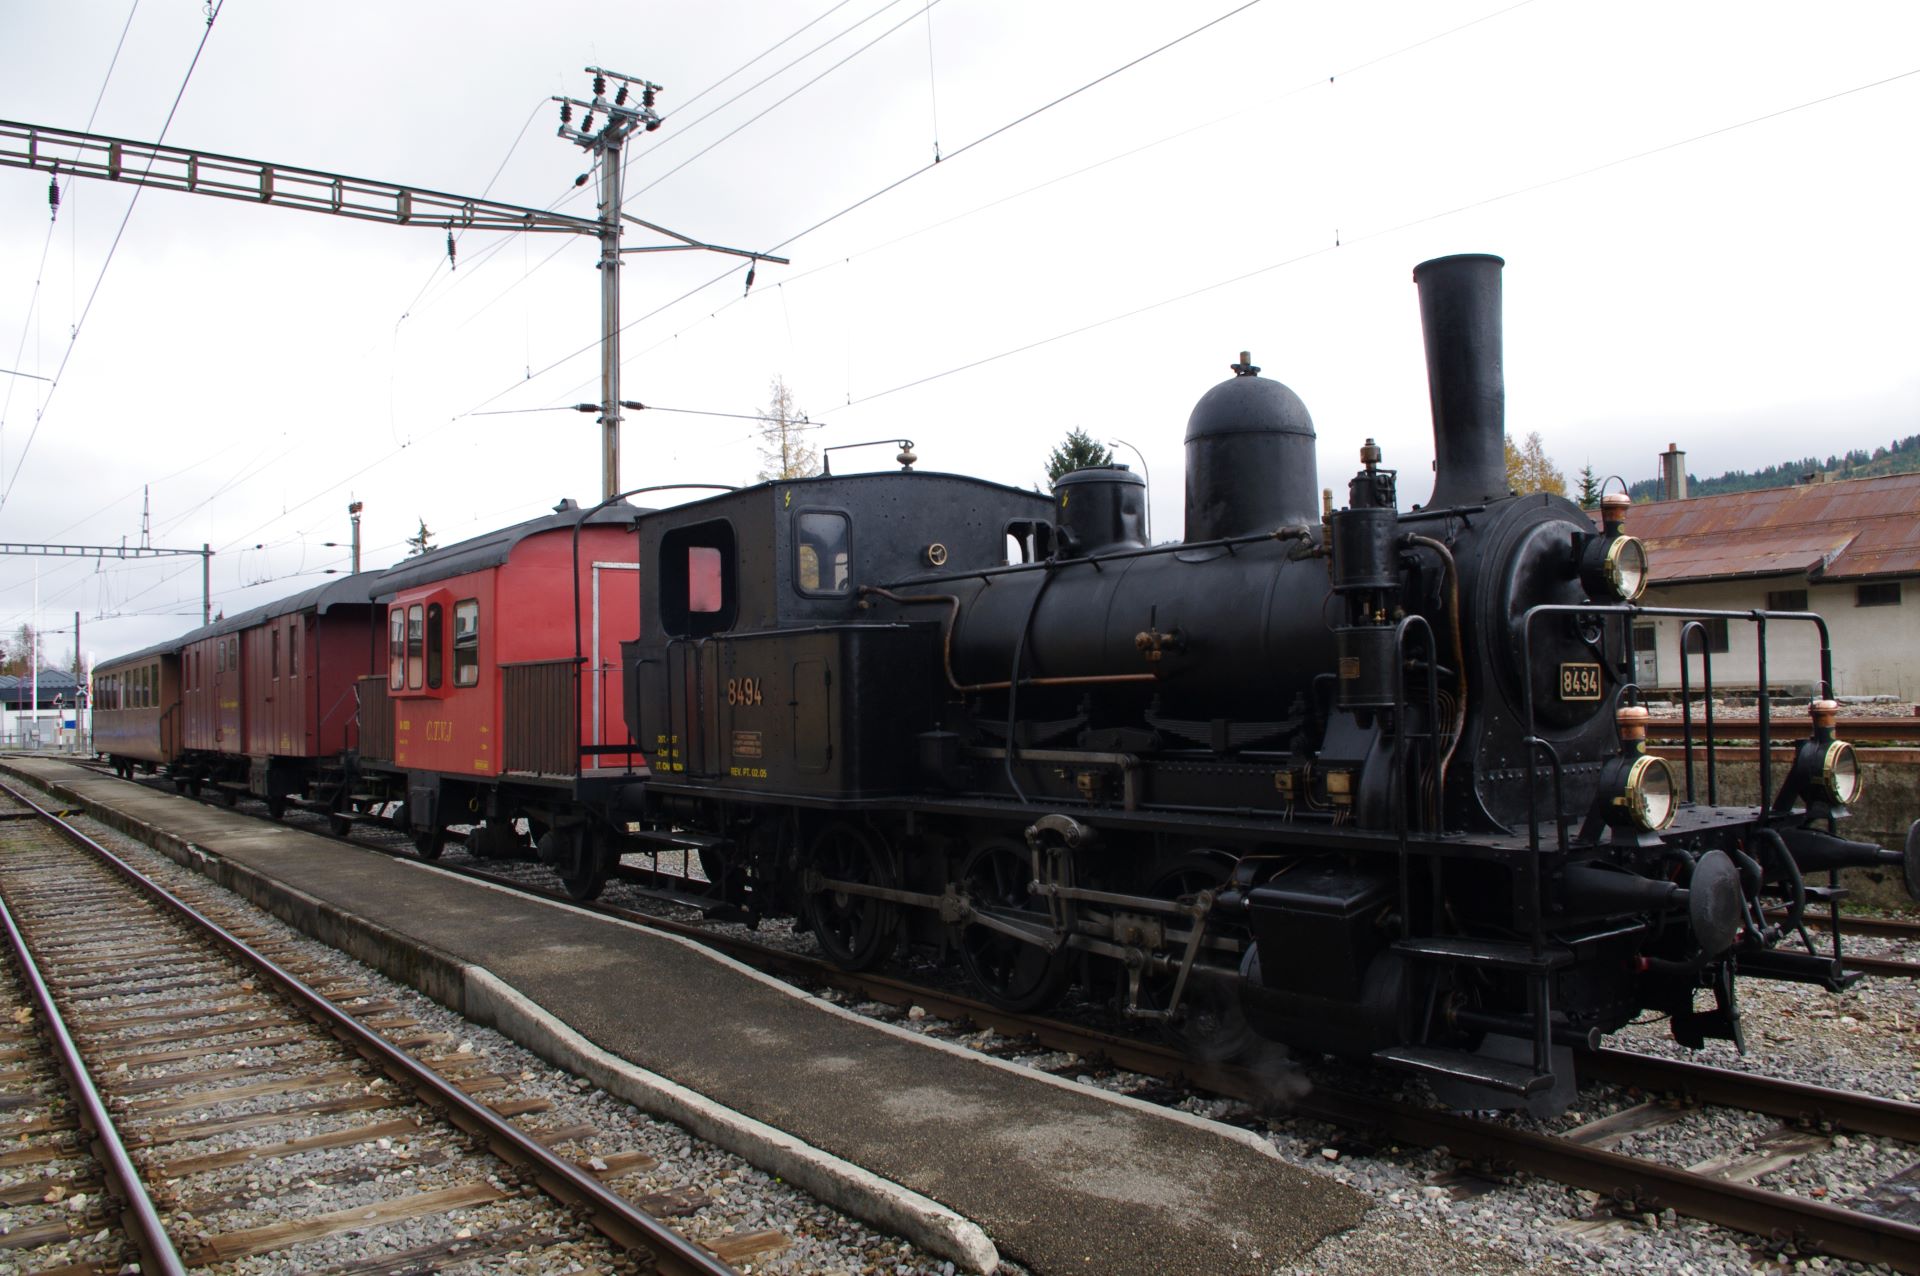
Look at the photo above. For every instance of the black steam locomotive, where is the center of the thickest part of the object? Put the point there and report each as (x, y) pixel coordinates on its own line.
(1361, 780)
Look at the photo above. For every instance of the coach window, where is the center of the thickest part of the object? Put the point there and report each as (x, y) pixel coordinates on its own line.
(416, 645)
(273, 648)
(698, 579)
(821, 552)
(293, 650)
(466, 642)
(397, 649)
(436, 615)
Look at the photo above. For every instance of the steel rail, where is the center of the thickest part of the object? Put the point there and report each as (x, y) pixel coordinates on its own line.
(609, 1213)
(1792, 1100)
(138, 1215)
(1788, 732)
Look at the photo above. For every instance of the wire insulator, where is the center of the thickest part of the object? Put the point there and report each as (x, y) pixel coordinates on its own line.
(566, 112)
(586, 125)
(53, 197)
(750, 269)
(599, 86)
(646, 97)
(451, 264)
(620, 98)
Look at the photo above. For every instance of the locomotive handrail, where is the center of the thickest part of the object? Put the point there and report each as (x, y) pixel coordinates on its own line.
(1291, 532)
(1399, 778)
(1686, 708)
(1629, 612)
(579, 645)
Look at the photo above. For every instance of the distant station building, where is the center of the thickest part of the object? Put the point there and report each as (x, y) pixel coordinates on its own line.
(25, 723)
(1846, 549)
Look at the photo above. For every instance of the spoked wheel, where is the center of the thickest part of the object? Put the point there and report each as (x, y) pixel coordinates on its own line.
(1211, 1025)
(855, 931)
(1009, 972)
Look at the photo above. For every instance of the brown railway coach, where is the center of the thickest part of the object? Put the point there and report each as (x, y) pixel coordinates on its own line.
(268, 696)
(136, 709)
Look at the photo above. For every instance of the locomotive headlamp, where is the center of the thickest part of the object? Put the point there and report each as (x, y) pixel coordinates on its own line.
(1625, 567)
(1649, 791)
(1840, 774)
(1613, 565)
(1826, 773)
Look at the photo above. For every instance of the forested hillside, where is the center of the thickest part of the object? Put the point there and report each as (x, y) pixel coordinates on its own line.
(1899, 457)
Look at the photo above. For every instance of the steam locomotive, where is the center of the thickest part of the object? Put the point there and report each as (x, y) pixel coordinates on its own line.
(1364, 781)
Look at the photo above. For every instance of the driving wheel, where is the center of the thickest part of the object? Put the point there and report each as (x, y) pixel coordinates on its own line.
(854, 930)
(1009, 972)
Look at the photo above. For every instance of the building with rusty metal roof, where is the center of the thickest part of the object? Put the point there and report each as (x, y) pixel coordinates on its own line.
(1848, 550)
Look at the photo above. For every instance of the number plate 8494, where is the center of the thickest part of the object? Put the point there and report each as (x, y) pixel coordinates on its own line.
(1579, 682)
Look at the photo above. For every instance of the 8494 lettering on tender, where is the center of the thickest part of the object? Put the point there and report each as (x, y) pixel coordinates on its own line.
(1579, 682)
(744, 691)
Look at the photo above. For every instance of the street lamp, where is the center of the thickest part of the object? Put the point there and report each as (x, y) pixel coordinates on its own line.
(1145, 474)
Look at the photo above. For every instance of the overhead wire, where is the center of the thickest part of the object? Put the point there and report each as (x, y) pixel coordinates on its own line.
(213, 13)
(867, 199)
(33, 298)
(1408, 224)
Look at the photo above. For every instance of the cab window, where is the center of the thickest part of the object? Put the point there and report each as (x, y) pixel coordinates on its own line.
(466, 642)
(397, 649)
(698, 579)
(416, 645)
(821, 552)
(435, 626)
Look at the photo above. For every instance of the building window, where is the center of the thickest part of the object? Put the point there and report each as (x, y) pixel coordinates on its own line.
(466, 642)
(435, 654)
(1716, 636)
(397, 649)
(416, 645)
(821, 548)
(1787, 600)
(1884, 594)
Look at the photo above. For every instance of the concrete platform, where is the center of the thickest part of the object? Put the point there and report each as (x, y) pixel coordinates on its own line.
(1062, 1178)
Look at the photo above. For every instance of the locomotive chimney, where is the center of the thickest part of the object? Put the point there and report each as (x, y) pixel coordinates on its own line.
(1460, 315)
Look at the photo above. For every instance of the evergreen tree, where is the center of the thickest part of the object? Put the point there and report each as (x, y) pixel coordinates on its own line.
(1079, 451)
(1589, 497)
(420, 542)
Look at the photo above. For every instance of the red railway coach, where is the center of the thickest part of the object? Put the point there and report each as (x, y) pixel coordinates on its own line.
(499, 695)
(268, 697)
(136, 709)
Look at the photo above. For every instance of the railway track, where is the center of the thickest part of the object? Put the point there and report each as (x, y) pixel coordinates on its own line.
(1785, 731)
(1583, 1157)
(155, 1064)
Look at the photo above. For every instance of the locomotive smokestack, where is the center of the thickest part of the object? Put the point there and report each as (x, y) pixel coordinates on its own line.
(1460, 315)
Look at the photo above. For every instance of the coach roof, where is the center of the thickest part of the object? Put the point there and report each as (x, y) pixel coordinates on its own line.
(491, 549)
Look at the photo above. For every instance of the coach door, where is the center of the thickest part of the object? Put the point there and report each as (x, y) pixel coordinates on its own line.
(615, 618)
(227, 713)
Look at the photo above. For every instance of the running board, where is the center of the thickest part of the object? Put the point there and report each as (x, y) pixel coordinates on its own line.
(1460, 1065)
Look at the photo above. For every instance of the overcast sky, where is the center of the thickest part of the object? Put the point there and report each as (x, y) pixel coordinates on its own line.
(1707, 211)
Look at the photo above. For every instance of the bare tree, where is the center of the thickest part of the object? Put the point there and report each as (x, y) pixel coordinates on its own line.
(785, 452)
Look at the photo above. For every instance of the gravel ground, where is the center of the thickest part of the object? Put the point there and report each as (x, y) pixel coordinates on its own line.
(721, 1193)
(1437, 1216)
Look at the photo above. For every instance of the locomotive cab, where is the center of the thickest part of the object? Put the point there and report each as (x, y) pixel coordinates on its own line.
(766, 674)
